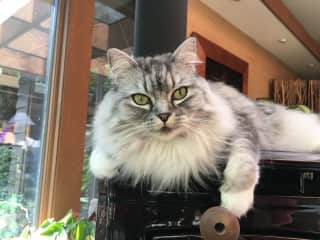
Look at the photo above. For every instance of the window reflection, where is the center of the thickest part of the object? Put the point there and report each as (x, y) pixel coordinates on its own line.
(25, 30)
(113, 28)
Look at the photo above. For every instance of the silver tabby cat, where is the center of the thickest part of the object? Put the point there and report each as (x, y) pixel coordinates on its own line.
(163, 123)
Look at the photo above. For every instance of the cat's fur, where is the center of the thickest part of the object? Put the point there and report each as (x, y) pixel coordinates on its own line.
(214, 124)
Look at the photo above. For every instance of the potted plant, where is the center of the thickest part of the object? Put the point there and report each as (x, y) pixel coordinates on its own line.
(70, 227)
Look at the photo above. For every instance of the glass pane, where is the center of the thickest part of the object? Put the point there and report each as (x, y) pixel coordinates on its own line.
(26, 28)
(113, 28)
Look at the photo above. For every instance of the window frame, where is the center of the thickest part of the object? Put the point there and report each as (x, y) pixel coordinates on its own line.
(60, 183)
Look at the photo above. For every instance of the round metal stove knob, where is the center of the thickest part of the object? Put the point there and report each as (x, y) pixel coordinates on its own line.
(217, 223)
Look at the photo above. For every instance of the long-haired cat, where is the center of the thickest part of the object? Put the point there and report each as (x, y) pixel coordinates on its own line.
(161, 122)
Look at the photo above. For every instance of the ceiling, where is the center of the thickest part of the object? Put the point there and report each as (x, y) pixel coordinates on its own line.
(24, 38)
(250, 16)
(258, 22)
(307, 12)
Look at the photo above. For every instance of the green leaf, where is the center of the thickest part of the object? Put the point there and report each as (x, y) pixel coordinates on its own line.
(300, 107)
(71, 230)
(26, 233)
(68, 218)
(53, 229)
(90, 237)
(92, 228)
(82, 231)
(46, 223)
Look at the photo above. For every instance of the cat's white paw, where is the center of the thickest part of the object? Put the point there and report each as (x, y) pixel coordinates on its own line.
(238, 202)
(101, 166)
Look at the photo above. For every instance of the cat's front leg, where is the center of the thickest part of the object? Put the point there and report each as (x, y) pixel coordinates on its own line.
(102, 165)
(240, 178)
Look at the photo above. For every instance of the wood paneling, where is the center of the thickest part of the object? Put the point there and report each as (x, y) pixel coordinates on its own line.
(62, 170)
(34, 42)
(100, 35)
(46, 23)
(21, 61)
(33, 11)
(278, 8)
(26, 12)
(23, 42)
(10, 29)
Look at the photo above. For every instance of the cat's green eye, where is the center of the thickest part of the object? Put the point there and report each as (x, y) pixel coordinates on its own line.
(180, 93)
(140, 99)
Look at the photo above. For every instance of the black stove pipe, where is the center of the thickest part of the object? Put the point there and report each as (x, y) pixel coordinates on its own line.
(160, 26)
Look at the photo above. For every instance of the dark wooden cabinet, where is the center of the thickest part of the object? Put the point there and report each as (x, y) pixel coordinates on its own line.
(287, 205)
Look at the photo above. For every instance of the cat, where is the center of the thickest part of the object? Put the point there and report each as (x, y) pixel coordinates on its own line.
(161, 122)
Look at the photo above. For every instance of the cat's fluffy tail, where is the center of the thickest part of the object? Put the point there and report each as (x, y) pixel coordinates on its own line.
(295, 131)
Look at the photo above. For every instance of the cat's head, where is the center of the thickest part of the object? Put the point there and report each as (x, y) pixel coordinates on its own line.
(160, 96)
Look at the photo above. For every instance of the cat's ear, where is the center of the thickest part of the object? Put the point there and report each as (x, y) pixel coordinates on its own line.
(186, 53)
(119, 61)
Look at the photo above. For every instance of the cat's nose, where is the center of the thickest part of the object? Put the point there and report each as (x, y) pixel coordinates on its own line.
(164, 116)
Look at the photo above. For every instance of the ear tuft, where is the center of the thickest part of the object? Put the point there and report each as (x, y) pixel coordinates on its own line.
(186, 53)
(119, 61)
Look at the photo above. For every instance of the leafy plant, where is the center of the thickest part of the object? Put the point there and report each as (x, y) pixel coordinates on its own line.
(70, 227)
(8, 101)
(13, 216)
(300, 107)
(86, 177)
(5, 160)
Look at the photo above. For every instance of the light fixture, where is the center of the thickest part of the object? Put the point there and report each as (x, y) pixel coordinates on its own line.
(283, 40)
(10, 7)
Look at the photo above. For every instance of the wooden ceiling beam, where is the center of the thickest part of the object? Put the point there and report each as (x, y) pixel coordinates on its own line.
(21, 61)
(279, 9)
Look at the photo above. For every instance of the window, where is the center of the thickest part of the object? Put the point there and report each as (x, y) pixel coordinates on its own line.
(26, 39)
(113, 28)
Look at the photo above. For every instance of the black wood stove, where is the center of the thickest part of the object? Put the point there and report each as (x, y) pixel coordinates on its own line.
(287, 205)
